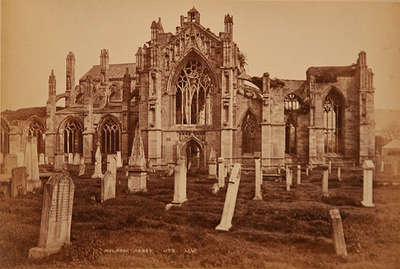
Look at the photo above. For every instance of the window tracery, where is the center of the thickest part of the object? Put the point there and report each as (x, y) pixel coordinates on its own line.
(73, 137)
(332, 122)
(110, 134)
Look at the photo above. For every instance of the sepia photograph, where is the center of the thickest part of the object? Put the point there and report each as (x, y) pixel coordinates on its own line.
(200, 134)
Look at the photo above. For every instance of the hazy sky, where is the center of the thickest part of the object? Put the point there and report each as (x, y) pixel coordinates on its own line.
(282, 38)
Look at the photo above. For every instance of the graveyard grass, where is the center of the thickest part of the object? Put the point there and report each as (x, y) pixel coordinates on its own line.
(285, 230)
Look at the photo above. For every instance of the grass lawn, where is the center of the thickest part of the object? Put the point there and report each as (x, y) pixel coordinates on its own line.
(285, 230)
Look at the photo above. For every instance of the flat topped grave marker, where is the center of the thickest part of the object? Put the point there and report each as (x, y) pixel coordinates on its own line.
(108, 186)
(230, 200)
(368, 178)
(55, 225)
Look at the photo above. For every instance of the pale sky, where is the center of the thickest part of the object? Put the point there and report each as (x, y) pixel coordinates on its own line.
(282, 38)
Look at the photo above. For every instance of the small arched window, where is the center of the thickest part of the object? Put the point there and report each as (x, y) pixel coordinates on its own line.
(73, 137)
(333, 122)
(110, 135)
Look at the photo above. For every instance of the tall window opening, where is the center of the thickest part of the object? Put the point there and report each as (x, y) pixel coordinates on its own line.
(73, 137)
(290, 136)
(333, 122)
(36, 129)
(251, 134)
(193, 86)
(4, 138)
(110, 134)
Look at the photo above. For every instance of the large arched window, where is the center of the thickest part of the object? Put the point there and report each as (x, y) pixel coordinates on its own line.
(73, 137)
(292, 102)
(290, 135)
(36, 129)
(251, 134)
(333, 122)
(110, 135)
(193, 88)
(4, 137)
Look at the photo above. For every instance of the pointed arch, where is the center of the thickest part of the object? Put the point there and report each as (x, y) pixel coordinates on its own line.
(192, 149)
(36, 128)
(71, 130)
(333, 109)
(109, 132)
(251, 133)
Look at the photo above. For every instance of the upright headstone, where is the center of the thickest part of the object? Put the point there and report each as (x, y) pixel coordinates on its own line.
(119, 159)
(70, 158)
(221, 172)
(258, 180)
(10, 162)
(77, 158)
(20, 158)
(212, 164)
(180, 183)
(31, 164)
(289, 176)
(82, 167)
(97, 165)
(41, 158)
(337, 233)
(368, 177)
(18, 182)
(298, 174)
(108, 186)
(55, 225)
(112, 164)
(325, 181)
(339, 174)
(137, 175)
(230, 199)
(58, 162)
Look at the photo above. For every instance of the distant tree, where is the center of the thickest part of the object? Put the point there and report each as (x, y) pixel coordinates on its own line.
(392, 131)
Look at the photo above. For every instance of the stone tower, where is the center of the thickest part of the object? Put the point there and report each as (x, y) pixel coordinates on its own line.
(69, 79)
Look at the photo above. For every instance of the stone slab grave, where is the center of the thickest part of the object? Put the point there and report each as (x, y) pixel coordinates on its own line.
(258, 180)
(32, 164)
(325, 181)
(180, 182)
(230, 199)
(337, 233)
(137, 173)
(368, 178)
(97, 166)
(18, 182)
(108, 186)
(55, 224)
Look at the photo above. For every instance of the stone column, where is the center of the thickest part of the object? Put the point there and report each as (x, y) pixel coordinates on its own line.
(221, 172)
(337, 233)
(258, 180)
(230, 200)
(298, 174)
(368, 174)
(325, 181)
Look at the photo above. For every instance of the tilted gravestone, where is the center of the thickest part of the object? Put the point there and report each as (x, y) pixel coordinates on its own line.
(337, 233)
(18, 182)
(108, 183)
(230, 199)
(55, 225)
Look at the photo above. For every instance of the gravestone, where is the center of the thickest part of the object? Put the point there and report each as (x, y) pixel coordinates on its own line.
(77, 158)
(258, 180)
(18, 182)
(307, 171)
(221, 172)
(137, 175)
(55, 224)
(58, 162)
(382, 166)
(180, 183)
(97, 165)
(330, 167)
(10, 162)
(337, 233)
(108, 186)
(325, 181)
(289, 179)
(31, 164)
(230, 199)
(112, 164)
(82, 167)
(119, 159)
(298, 174)
(70, 158)
(212, 165)
(368, 178)
(339, 174)
(20, 158)
(41, 158)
